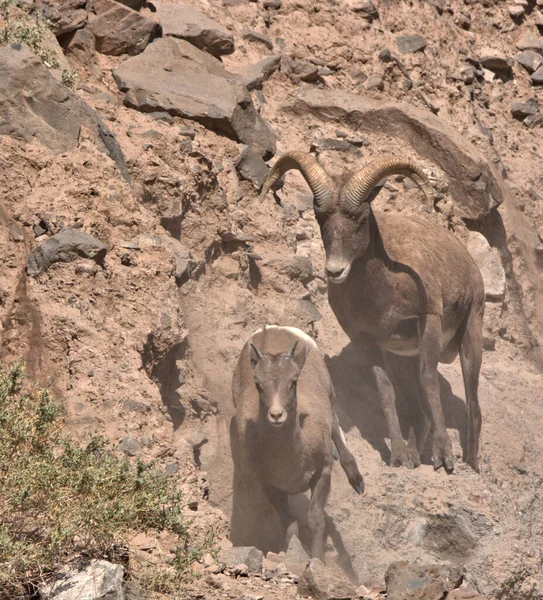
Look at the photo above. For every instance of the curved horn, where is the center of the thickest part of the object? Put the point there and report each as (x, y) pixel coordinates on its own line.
(259, 354)
(290, 353)
(359, 187)
(317, 178)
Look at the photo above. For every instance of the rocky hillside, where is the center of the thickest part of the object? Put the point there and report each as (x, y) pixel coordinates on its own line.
(137, 258)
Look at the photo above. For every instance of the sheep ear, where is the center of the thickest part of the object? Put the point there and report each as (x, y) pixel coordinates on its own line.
(259, 355)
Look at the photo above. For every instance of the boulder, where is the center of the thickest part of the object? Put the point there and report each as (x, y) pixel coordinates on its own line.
(184, 22)
(520, 110)
(531, 61)
(473, 182)
(246, 555)
(100, 580)
(67, 16)
(408, 44)
(321, 583)
(121, 30)
(176, 77)
(260, 38)
(35, 106)
(130, 446)
(406, 581)
(537, 76)
(66, 246)
(530, 42)
(251, 167)
(253, 76)
(490, 265)
(494, 61)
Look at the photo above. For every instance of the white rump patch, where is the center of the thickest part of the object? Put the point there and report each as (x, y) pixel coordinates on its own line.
(296, 332)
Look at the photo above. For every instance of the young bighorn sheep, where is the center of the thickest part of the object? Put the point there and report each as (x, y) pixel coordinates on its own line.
(409, 287)
(285, 424)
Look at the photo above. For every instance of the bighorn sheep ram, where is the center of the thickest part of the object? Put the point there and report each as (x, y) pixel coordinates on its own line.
(408, 288)
(285, 424)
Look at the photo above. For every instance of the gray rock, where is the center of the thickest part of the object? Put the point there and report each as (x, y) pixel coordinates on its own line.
(101, 580)
(246, 555)
(54, 115)
(406, 581)
(533, 121)
(321, 583)
(66, 246)
(374, 82)
(130, 446)
(490, 265)
(520, 110)
(131, 405)
(305, 311)
(296, 558)
(275, 4)
(254, 36)
(495, 62)
(184, 263)
(329, 144)
(516, 10)
(529, 42)
(184, 22)
(473, 181)
(121, 30)
(69, 16)
(366, 9)
(175, 76)
(300, 70)
(253, 76)
(187, 132)
(295, 267)
(531, 61)
(251, 167)
(537, 77)
(16, 233)
(407, 44)
(133, 4)
(172, 468)
(147, 441)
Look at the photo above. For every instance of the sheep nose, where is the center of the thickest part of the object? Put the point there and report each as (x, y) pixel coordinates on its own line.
(335, 272)
(276, 415)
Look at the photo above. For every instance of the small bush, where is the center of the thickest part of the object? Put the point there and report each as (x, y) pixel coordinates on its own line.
(32, 31)
(60, 499)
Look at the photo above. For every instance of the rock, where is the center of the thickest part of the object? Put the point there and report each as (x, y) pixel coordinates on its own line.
(516, 11)
(366, 9)
(130, 446)
(300, 70)
(494, 61)
(121, 30)
(66, 246)
(16, 233)
(135, 406)
(184, 22)
(533, 121)
(537, 77)
(133, 4)
(407, 44)
(296, 557)
(172, 468)
(254, 36)
(184, 263)
(529, 42)
(531, 61)
(520, 110)
(305, 311)
(406, 581)
(253, 76)
(55, 115)
(246, 555)
(70, 16)
(473, 182)
(321, 583)
(464, 595)
(251, 167)
(174, 76)
(328, 144)
(100, 580)
(374, 82)
(275, 4)
(490, 265)
(295, 267)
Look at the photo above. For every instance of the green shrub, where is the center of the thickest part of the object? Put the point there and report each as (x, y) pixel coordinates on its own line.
(60, 499)
(32, 31)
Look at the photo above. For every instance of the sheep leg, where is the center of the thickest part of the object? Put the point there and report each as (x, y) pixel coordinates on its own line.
(346, 459)
(320, 489)
(429, 353)
(471, 353)
(387, 397)
(279, 501)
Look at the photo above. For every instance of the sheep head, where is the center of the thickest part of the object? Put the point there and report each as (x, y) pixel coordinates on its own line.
(276, 378)
(343, 209)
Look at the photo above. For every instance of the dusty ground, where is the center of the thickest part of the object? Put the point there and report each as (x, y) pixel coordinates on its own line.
(135, 355)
